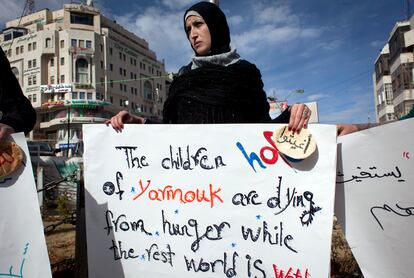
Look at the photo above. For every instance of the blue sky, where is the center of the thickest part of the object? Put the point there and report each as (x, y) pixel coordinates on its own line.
(326, 47)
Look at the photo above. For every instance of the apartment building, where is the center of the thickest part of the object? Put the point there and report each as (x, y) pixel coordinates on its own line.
(393, 76)
(77, 66)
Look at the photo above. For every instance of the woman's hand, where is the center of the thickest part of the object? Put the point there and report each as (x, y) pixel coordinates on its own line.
(299, 117)
(124, 117)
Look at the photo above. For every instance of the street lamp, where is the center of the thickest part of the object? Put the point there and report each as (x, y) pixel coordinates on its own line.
(297, 91)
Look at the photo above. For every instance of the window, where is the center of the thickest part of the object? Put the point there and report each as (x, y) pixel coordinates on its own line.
(62, 78)
(82, 71)
(124, 72)
(89, 96)
(29, 80)
(62, 61)
(17, 50)
(52, 62)
(120, 55)
(30, 98)
(81, 18)
(62, 44)
(82, 95)
(147, 90)
(88, 44)
(82, 43)
(121, 87)
(102, 65)
(74, 43)
(111, 83)
(34, 45)
(110, 51)
(101, 47)
(29, 47)
(48, 42)
(21, 49)
(29, 64)
(34, 64)
(111, 99)
(111, 67)
(74, 95)
(34, 98)
(52, 80)
(120, 71)
(121, 102)
(34, 80)
(124, 57)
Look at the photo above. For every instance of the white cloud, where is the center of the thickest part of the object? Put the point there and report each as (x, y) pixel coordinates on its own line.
(177, 4)
(10, 10)
(316, 97)
(235, 20)
(275, 15)
(254, 39)
(163, 31)
(331, 45)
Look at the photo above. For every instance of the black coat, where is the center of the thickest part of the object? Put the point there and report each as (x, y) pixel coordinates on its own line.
(15, 108)
(218, 94)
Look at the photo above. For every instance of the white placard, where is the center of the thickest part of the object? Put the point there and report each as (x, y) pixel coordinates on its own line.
(23, 250)
(375, 198)
(206, 201)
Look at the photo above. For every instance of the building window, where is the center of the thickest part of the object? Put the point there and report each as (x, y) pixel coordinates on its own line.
(29, 80)
(34, 98)
(81, 18)
(52, 80)
(111, 67)
(74, 95)
(110, 51)
(34, 80)
(29, 64)
(111, 99)
(17, 50)
(48, 42)
(30, 98)
(101, 47)
(74, 43)
(52, 62)
(121, 87)
(124, 57)
(62, 61)
(120, 55)
(62, 78)
(29, 47)
(21, 49)
(82, 71)
(82, 43)
(34, 45)
(111, 83)
(34, 64)
(62, 44)
(147, 90)
(88, 44)
(124, 72)
(89, 96)
(102, 65)
(120, 71)
(81, 95)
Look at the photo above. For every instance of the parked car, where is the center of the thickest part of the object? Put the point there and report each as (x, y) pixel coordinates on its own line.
(40, 148)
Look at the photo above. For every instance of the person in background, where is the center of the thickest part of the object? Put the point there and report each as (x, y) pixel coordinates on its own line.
(16, 111)
(217, 86)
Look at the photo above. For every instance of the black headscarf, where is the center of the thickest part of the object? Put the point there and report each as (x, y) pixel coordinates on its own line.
(217, 25)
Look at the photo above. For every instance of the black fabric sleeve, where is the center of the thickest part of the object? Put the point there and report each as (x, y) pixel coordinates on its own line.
(282, 118)
(16, 108)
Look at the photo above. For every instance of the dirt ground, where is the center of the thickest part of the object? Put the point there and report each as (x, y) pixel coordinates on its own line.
(61, 247)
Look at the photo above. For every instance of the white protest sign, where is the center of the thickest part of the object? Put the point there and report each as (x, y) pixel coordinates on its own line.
(206, 201)
(375, 198)
(23, 250)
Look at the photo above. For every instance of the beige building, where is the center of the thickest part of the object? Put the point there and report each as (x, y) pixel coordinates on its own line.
(393, 77)
(77, 66)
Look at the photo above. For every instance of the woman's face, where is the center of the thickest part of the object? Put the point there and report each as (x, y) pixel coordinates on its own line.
(198, 34)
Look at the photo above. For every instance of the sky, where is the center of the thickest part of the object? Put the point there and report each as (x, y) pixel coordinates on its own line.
(325, 47)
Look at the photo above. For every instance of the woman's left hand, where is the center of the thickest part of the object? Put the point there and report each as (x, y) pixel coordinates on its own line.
(299, 117)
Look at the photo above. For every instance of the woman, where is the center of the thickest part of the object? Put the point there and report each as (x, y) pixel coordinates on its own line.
(217, 86)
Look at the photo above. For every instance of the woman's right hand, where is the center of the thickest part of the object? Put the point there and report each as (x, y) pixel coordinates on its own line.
(124, 117)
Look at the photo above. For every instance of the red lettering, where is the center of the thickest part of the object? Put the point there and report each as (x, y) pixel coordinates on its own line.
(281, 274)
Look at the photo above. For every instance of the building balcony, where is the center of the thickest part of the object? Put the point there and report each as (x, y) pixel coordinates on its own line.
(73, 120)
